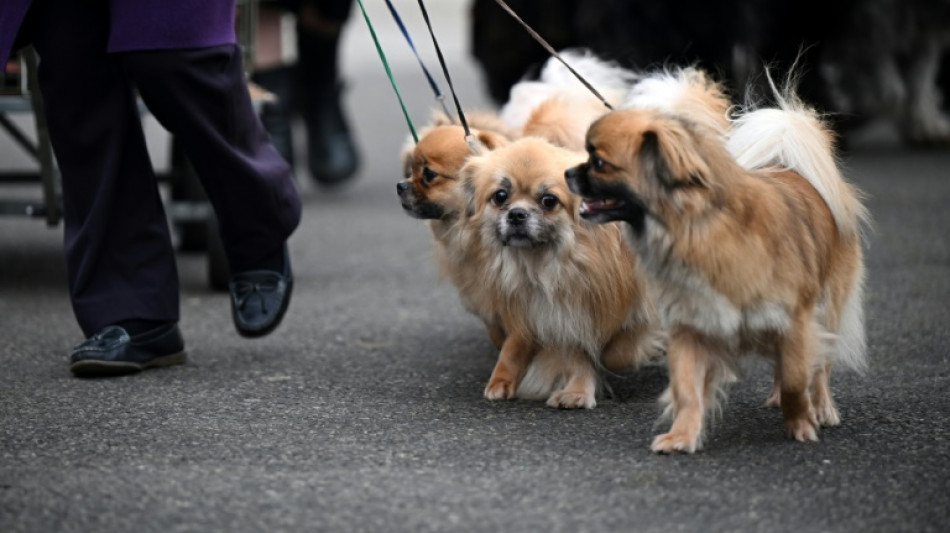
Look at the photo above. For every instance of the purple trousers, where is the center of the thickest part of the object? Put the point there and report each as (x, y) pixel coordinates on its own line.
(119, 255)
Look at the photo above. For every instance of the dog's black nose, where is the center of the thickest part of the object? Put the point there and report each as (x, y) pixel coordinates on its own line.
(402, 187)
(517, 215)
(575, 179)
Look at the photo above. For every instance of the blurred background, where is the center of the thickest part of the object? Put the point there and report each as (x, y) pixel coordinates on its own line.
(877, 68)
(873, 65)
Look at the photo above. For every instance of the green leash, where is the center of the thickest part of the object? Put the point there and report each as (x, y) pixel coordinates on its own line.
(389, 72)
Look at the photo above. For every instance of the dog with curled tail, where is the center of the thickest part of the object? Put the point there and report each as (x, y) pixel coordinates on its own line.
(753, 244)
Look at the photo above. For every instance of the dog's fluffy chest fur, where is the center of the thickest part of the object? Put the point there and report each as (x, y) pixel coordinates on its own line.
(541, 290)
(686, 297)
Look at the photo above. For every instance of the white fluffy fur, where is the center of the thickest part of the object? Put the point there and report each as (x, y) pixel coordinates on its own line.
(851, 342)
(682, 91)
(791, 137)
(537, 278)
(610, 80)
(660, 91)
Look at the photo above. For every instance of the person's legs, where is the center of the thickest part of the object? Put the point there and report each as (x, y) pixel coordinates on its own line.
(119, 257)
(271, 72)
(276, 116)
(201, 97)
(331, 152)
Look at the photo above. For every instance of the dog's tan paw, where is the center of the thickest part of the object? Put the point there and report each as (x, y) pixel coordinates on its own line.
(804, 429)
(675, 442)
(571, 400)
(500, 389)
(827, 415)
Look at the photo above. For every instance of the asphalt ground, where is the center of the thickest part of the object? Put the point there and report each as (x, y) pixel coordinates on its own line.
(364, 411)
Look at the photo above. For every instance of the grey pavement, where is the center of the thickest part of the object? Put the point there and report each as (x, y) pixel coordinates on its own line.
(364, 412)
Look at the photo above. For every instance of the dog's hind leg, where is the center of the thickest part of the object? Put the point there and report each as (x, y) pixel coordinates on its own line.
(633, 347)
(822, 398)
(797, 352)
(775, 398)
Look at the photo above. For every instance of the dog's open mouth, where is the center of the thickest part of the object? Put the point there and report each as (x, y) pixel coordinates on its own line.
(592, 206)
(629, 208)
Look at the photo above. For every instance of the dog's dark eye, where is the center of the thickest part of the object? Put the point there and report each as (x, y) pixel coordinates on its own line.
(500, 197)
(597, 163)
(549, 202)
(428, 175)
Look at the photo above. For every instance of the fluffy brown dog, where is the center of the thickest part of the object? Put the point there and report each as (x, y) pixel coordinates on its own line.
(563, 289)
(765, 261)
(431, 191)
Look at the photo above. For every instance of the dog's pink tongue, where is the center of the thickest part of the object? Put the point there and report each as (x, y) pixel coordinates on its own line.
(594, 205)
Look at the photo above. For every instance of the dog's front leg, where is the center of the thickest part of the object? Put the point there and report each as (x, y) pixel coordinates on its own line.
(580, 390)
(513, 360)
(689, 361)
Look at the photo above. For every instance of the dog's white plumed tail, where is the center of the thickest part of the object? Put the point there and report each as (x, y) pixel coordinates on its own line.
(850, 342)
(611, 80)
(687, 92)
(525, 97)
(793, 136)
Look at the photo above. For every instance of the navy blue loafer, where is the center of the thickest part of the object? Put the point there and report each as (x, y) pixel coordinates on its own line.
(259, 299)
(113, 351)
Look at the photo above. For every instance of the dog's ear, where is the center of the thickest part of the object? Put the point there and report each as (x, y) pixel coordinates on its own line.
(468, 185)
(492, 140)
(467, 177)
(670, 154)
(485, 141)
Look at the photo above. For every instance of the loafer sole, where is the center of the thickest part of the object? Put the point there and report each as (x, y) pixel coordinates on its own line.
(97, 368)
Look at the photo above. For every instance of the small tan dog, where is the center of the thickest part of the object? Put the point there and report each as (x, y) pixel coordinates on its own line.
(565, 290)
(431, 191)
(764, 261)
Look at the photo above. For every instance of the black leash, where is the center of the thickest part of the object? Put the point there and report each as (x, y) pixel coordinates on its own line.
(553, 52)
(432, 83)
(389, 72)
(448, 78)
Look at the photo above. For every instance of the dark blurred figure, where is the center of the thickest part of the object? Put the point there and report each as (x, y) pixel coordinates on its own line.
(856, 59)
(885, 60)
(505, 51)
(313, 87)
(646, 35)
